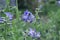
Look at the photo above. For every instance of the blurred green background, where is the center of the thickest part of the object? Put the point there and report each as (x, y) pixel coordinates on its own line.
(48, 11)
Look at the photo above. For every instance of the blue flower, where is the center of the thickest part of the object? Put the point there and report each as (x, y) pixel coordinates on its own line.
(28, 16)
(37, 34)
(9, 15)
(33, 33)
(58, 2)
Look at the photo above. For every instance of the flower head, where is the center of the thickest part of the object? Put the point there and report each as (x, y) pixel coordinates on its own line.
(58, 2)
(28, 16)
(33, 33)
(9, 15)
(37, 34)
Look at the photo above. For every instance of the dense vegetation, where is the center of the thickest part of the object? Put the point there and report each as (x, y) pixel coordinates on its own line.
(31, 23)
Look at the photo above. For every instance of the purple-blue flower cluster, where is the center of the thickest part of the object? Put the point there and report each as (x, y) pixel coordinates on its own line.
(33, 33)
(9, 15)
(28, 16)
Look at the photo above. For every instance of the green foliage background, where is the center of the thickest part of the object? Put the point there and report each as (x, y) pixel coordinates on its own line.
(49, 28)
